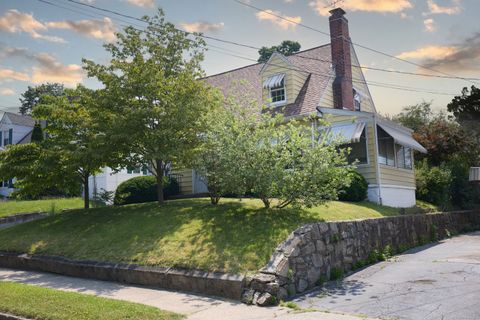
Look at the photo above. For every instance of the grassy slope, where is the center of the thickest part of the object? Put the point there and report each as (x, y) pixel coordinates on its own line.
(235, 236)
(11, 207)
(42, 303)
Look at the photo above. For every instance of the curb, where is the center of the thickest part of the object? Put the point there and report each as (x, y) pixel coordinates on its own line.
(209, 283)
(6, 316)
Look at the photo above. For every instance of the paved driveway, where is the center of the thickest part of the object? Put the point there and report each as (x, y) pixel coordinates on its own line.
(438, 281)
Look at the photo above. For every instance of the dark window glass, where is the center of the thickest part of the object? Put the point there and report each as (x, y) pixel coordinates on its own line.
(358, 150)
(277, 94)
(386, 148)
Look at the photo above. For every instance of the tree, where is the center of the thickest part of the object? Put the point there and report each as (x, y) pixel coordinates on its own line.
(287, 47)
(76, 135)
(37, 133)
(466, 110)
(33, 95)
(416, 116)
(158, 106)
(264, 155)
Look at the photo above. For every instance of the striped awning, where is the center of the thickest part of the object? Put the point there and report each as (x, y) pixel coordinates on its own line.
(344, 133)
(273, 81)
(402, 138)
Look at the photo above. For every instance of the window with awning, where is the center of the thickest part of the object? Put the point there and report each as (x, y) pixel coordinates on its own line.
(276, 88)
(352, 136)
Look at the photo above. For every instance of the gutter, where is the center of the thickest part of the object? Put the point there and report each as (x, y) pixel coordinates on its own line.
(377, 163)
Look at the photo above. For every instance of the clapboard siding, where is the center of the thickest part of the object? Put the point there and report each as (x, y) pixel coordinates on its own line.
(397, 177)
(185, 180)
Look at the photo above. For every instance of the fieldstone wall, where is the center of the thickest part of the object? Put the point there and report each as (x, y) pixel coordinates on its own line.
(311, 252)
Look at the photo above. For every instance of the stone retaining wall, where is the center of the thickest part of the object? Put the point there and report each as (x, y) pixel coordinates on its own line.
(210, 283)
(20, 218)
(6, 316)
(311, 252)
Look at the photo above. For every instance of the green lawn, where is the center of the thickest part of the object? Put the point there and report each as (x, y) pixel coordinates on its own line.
(42, 303)
(235, 236)
(11, 207)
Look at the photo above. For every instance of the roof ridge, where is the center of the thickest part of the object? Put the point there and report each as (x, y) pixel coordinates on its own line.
(258, 63)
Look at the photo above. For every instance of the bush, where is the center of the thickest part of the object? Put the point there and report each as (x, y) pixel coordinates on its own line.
(144, 189)
(433, 184)
(357, 191)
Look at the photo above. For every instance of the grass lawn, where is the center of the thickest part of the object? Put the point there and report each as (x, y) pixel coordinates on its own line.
(42, 303)
(11, 207)
(235, 236)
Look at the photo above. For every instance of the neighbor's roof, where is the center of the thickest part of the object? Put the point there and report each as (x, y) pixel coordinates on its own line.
(314, 62)
(19, 119)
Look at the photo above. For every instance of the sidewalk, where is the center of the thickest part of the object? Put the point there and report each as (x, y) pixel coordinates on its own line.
(196, 307)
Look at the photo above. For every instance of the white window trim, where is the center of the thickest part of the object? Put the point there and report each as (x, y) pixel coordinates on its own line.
(278, 103)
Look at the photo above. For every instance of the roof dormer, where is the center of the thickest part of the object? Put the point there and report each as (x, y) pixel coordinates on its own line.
(281, 80)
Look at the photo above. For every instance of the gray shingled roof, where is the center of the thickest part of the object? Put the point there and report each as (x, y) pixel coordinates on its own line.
(20, 120)
(318, 69)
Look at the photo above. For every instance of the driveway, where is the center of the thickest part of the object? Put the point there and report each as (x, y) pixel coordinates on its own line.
(437, 281)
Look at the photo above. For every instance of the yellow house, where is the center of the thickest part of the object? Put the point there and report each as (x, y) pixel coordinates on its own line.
(328, 81)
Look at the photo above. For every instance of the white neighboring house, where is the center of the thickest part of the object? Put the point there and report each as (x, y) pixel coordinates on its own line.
(14, 129)
(108, 180)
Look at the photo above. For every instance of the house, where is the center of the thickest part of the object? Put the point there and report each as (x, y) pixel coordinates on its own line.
(328, 81)
(14, 129)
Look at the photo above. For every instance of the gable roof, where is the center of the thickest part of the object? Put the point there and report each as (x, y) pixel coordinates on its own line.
(247, 81)
(19, 119)
(26, 139)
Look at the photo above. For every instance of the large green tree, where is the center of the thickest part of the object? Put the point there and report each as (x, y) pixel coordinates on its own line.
(76, 134)
(33, 95)
(158, 106)
(466, 110)
(287, 47)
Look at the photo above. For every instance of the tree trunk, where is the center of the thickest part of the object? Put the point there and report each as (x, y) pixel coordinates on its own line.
(266, 202)
(159, 176)
(86, 192)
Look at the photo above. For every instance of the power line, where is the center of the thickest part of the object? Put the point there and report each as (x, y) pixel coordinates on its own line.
(379, 84)
(445, 76)
(353, 43)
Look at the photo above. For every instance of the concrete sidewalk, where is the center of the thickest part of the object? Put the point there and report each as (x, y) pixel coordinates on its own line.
(196, 307)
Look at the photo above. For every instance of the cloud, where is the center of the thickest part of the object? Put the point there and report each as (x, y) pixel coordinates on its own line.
(322, 7)
(46, 68)
(460, 57)
(98, 29)
(9, 74)
(268, 15)
(7, 91)
(14, 21)
(143, 3)
(434, 8)
(50, 70)
(435, 52)
(202, 26)
(429, 25)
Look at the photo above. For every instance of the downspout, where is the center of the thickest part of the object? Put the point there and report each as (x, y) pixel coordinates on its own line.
(377, 163)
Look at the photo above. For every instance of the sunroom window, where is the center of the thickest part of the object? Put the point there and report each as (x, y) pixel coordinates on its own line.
(404, 156)
(386, 148)
(358, 150)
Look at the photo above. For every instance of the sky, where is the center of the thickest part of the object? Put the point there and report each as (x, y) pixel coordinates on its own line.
(40, 42)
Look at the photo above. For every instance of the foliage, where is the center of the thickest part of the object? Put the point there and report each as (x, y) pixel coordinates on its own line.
(37, 133)
(336, 273)
(33, 95)
(287, 47)
(38, 171)
(35, 302)
(415, 116)
(433, 184)
(466, 110)
(155, 104)
(235, 236)
(144, 189)
(104, 196)
(76, 135)
(357, 191)
(265, 155)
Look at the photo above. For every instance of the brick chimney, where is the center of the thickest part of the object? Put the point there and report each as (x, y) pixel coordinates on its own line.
(341, 60)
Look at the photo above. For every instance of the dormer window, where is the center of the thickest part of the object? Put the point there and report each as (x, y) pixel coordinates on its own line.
(276, 86)
(357, 100)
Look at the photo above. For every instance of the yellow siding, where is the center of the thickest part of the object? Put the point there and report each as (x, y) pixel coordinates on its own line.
(359, 83)
(184, 180)
(369, 170)
(294, 80)
(326, 100)
(397, 177)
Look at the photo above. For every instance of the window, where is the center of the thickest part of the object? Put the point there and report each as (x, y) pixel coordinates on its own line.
(358, 150)
(277, 93)
(404, 157)
(357, 101)
(131, 170)
(386, 148)
(6, 140)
